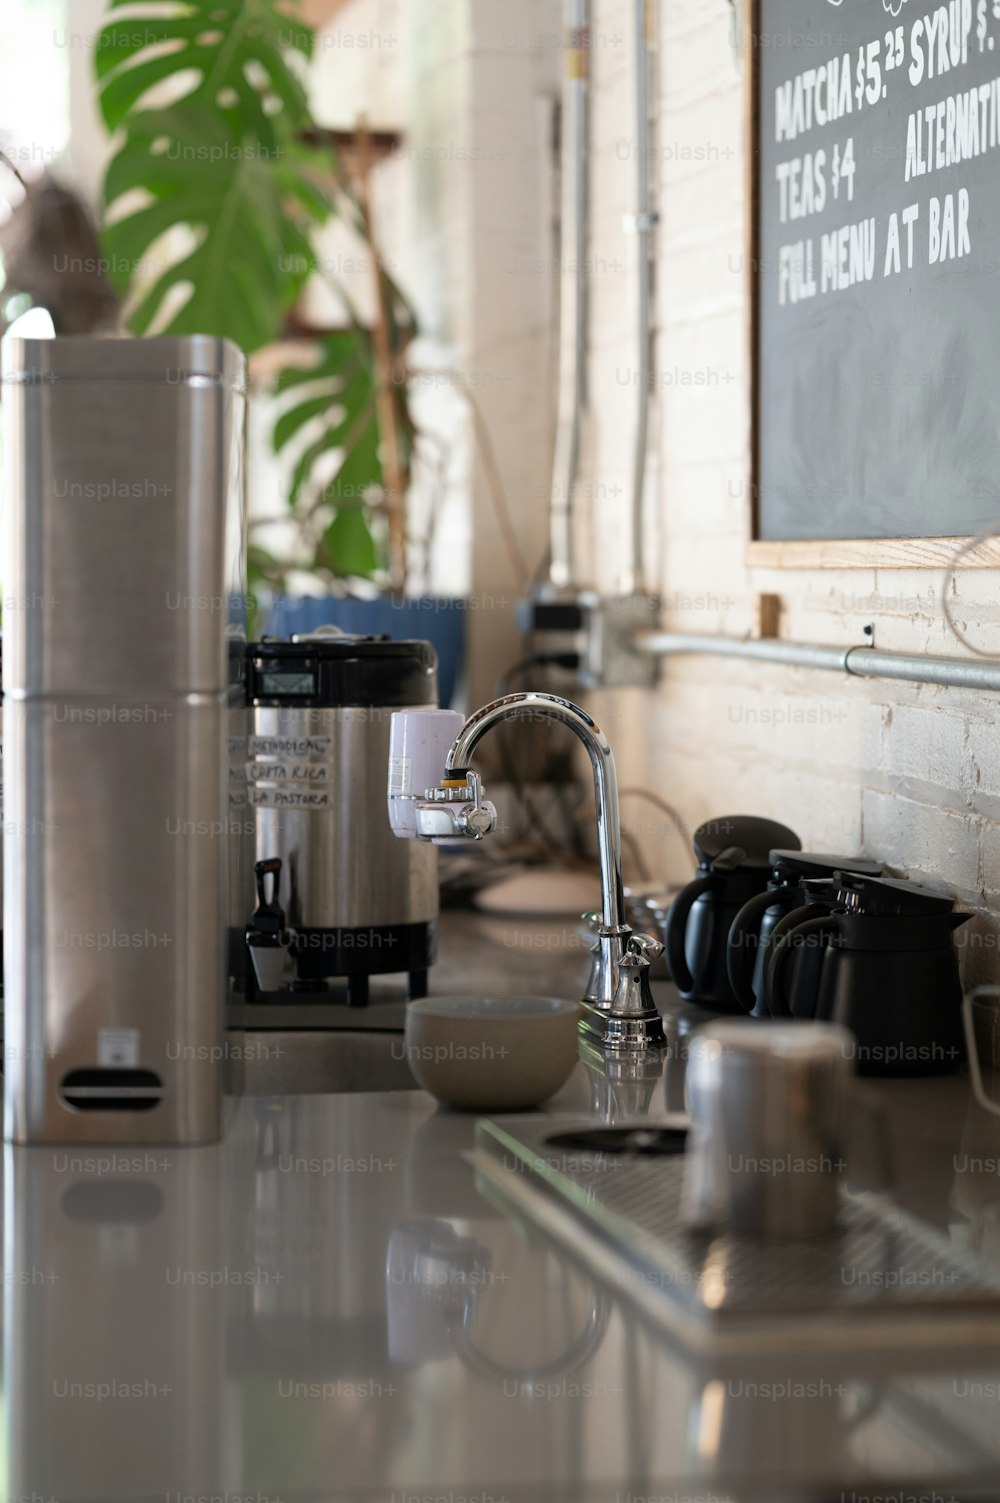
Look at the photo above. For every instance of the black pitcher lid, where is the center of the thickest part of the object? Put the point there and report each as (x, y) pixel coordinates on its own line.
(756, 838)
(821, 864)
(889, 896)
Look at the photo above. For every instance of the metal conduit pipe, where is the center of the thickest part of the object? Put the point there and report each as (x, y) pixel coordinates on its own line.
(643, 222)
(858, 661)
(574, 295)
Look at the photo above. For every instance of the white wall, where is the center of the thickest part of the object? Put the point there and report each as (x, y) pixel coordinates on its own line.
(908, 774)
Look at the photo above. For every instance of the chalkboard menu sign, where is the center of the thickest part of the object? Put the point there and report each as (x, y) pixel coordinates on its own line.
(875, 272)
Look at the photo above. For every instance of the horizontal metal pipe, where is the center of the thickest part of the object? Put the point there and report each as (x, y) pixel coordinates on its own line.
(957, 673)
(860, 662)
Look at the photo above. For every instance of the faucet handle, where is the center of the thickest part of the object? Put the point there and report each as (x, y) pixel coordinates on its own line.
(593, 923)
(634, 1022)
(644, 947)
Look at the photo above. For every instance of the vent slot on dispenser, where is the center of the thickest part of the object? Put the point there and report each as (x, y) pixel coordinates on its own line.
(104, 1090)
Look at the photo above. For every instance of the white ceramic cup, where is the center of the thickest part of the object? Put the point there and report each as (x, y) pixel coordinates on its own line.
(489, 1054)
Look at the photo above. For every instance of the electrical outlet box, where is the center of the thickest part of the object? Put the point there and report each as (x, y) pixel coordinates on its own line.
(593, 635)
(611, 660)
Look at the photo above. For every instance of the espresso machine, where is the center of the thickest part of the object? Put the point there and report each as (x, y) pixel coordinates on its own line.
(124, 580)
(337, 894)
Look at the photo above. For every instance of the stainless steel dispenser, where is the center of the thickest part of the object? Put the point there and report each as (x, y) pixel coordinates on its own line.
(123, 569)
(357, 901)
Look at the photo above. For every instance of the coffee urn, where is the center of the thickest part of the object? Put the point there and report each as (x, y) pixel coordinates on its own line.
(123, 568)
(357, 902)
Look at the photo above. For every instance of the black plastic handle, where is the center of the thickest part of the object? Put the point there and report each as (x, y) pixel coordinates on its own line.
(268, 916)
(791, 920)
(676, 929)
(781, 953)
(741, 953)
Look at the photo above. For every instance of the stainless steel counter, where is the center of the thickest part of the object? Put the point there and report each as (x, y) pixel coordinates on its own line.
(326, 1306)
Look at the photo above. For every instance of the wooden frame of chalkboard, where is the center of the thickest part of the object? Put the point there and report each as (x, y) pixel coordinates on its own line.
(813, 553)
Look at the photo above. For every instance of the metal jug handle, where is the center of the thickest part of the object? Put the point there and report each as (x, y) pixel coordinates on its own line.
(972, 1049)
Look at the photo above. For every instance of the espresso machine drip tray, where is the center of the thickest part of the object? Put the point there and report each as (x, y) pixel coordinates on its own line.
(619, 1213)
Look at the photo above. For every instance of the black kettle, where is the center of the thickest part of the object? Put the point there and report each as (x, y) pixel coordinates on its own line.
(819, 895)
(884, 965)
(753, 926)
(733, 866)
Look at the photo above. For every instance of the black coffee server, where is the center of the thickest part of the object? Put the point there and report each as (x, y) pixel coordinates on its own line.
(884, 964)
(753, 927)
(819, 896)
(733, 866)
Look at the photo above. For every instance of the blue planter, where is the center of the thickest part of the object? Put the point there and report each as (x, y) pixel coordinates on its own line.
(437, 619)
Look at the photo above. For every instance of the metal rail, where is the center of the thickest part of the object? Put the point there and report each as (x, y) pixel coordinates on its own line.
(857, 661)
(644, 222)
(574, 294)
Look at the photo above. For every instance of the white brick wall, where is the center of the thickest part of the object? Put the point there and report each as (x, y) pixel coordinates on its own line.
(906, 773)
(910, 774)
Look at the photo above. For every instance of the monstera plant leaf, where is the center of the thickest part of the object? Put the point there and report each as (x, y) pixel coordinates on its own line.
(348, 546)
(222, 166)
(340, 388)
(246, 215)
(335, 396)
(211, 198)
(236, 58)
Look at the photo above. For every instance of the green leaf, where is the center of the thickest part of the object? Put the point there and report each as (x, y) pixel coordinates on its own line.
(360, 469)
(237, 51)
(264, 573)
(349, 545)
(223, 162)
(296, 417)
(339, 381)
(342, 403)
(342, 432)
(251, 254)
(341, 351)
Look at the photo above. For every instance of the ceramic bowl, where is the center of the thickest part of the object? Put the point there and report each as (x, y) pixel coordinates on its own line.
(492, 1054)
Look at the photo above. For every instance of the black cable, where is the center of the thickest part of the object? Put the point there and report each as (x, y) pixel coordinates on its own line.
(529, 812)
(557, 765)
(569, 660)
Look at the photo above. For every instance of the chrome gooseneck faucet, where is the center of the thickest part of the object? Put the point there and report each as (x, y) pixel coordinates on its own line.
(457, 808)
